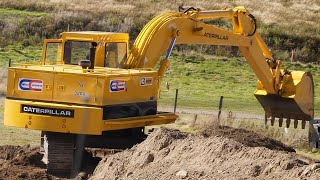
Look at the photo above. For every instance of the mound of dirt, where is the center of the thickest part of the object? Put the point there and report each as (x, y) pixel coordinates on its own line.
(24, 162)
(171, 154)
(247, 138)
(18, 162)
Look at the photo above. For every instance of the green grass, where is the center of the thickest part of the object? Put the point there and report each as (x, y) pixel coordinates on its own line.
(15, 12)
(1, 112)
(307, 153)
(18, 136)
(201, 81)
(18, 53)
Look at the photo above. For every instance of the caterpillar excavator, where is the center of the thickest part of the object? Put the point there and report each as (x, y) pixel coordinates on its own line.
(90, 91)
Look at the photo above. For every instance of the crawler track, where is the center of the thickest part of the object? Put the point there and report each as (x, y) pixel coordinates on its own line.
(61, 156)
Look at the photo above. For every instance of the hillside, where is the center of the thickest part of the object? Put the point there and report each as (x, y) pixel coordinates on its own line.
(286, 25)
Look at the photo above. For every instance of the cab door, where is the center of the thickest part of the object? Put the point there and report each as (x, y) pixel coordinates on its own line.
(52, 52)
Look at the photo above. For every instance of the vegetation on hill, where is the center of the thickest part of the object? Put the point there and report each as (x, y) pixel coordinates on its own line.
(290, 28)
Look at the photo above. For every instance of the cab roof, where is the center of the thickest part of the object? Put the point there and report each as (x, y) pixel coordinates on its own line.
(96, 36)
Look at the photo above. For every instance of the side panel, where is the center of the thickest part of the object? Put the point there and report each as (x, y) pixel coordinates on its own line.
(30, 84)
(50, 117)
(80, 89)
(131, 89)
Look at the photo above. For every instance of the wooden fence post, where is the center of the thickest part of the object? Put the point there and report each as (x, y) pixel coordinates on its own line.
(175, 101)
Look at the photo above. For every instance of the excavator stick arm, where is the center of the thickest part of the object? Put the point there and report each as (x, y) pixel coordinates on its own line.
(282, 93)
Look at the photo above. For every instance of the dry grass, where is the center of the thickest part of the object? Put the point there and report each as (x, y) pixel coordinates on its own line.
(269, 11)
(285, 24)
(281, 12)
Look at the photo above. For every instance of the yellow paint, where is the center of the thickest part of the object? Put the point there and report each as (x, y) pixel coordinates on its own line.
(86, 120)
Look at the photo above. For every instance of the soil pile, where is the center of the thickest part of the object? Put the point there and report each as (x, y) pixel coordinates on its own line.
(248, 138)
(220, 154)
(18, 162)
(24, 162)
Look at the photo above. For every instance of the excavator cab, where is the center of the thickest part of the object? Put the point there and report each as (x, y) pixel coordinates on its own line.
(102, 49)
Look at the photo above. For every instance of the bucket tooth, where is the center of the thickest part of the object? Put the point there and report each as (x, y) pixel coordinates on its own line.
(265, 119)
(288, 122)
(272, 120)
(303, 124)
(280, 121)
(295, 124)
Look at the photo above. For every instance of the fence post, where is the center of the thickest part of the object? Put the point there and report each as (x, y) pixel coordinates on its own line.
(175, 101)
(220, 108)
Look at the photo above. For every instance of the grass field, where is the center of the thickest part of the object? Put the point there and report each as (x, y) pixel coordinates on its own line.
(202, 79)
(16, 12)
(19, 54)
(18, 136)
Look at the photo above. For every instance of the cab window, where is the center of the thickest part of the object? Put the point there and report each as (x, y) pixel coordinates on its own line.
(53, 50)
(115, 54)
(76, 50)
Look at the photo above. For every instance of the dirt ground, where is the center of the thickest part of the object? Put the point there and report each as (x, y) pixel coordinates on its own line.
(216, 153)
(18, 162)
(25, 163)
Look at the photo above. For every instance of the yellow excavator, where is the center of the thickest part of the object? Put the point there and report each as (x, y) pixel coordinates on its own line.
(90, 91)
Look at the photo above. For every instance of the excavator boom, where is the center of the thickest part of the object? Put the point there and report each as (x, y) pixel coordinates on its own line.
(282, 93)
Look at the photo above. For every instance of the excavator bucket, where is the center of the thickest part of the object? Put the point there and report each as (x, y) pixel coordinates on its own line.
(295, 104)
